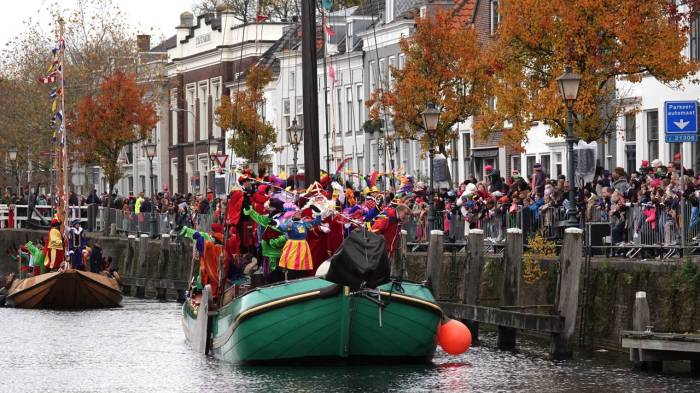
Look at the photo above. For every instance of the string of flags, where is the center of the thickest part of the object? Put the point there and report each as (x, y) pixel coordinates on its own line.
(54, 74)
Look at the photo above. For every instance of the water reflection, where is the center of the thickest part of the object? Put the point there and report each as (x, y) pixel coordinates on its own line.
(141, 348)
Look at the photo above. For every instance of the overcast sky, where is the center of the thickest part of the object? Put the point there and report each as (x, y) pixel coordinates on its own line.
(161, 15)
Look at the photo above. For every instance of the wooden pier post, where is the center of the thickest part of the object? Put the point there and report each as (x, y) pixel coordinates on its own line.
(129, 261)
(435, 254)
(472, 275)
(570, 263)
(163, 262)
(512, 272)
(397, 268)
(140, 267)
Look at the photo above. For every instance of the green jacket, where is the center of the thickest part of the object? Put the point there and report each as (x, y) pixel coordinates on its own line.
(272, 249)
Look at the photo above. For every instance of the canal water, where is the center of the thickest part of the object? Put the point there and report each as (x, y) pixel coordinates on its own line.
(140, 348)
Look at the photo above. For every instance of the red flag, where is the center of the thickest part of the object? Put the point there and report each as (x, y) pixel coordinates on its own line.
(329, 30)
(331, 72)
(259, 18)
(340, 167)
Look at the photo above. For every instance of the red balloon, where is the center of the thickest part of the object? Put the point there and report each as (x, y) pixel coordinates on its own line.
(454, 337)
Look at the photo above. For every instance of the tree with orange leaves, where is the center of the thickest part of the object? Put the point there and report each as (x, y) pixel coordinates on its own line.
(601, 40)
(444, 66)
(252, 135)
(117, 115)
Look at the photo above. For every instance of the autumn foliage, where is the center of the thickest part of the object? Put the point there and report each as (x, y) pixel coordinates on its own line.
(118, 114)
(445, 66)
(252, 135)
(601, 40)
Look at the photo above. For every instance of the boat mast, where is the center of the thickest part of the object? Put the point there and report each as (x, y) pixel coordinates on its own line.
(312, 169)
(63, 200)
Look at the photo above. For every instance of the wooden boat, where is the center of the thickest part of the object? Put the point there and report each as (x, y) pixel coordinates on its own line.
(314, 319)
(70, 289)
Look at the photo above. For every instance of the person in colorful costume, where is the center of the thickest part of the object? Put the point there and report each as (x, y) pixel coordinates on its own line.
(54, 247)
(273, 240)
(296, 256)
(388, 223)
(37, 258)
(209, 252)
(76, 245)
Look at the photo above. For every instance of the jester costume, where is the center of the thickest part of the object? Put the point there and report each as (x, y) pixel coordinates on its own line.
(54, 250)
(37, 258)
(296, 254)
(209, 252)
(273, 240)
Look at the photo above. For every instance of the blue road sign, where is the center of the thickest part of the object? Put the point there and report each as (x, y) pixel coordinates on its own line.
(681, 121)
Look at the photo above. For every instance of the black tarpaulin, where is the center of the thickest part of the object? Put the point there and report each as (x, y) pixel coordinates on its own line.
(361, 259)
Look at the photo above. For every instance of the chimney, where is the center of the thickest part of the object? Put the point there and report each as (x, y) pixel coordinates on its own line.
(186, 19)
(143, 42)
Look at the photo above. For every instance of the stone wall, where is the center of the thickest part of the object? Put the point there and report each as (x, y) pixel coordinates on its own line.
(672, 286)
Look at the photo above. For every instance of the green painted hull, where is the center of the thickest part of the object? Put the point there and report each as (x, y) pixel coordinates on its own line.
(314, 319)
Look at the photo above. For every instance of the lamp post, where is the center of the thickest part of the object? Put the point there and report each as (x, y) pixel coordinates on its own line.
(381, 145)
(12, 153)
(196, 157)
(431, 118)
(569, 84)
(150, 149)
(213, 153)
(295, 135)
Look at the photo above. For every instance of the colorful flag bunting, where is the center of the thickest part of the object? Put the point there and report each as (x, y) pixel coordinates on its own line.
(328, 30)
(327, 4)
(331, 73)
(259, 18)
(51, 78)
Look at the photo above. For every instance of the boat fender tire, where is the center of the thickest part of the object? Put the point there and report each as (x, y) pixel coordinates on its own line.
(329, 291)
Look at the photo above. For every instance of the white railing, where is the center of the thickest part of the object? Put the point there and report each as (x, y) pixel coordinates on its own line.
(21, 214)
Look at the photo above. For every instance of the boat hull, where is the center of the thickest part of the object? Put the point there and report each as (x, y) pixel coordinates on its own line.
(312, 320)
(70, 289)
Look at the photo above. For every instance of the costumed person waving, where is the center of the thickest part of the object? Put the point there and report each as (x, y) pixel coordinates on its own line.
(296, 256)
(54, 247)
(273, 240)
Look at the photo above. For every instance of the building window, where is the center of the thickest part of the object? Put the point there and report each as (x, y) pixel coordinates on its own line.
(286, 117)
(292, 80)
(190, 116)
(675, 150)
(694, 38)
(546, 162)
(492, 103)
(173, 175)
(360, 109)
(216, 101)
(402, 61)
(516, 163)
(131, 183)
(300, 111)
(351, 118)
(142, 178)
(372, 77)
(392, 63)
(203, 111)
(339, 103)
(653, 134)
(173, 115)
(382, 73)
(631, 156)
(558, 166)
(530, 163)
(630, 127)
(495, 17)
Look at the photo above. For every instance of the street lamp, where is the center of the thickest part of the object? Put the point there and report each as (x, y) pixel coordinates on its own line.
(213, 154)
(431, 118)
(569, 84)
(295, 135)
(150, 149)
(196, 157)
(12, 152)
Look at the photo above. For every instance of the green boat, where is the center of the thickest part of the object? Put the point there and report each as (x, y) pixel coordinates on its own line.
(316, 319)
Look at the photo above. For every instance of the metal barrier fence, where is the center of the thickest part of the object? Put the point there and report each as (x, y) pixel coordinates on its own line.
(634, 228)
(153, 224)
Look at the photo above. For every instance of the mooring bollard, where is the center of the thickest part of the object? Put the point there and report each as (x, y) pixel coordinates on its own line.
(512, 267)
(397, 268)
(129, 261)
(435, 253)
(570, 263)
(472, 275)
(163, 262)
